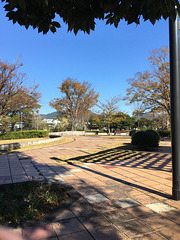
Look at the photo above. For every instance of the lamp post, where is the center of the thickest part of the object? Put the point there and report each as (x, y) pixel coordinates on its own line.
(175, 103)
(21, 121)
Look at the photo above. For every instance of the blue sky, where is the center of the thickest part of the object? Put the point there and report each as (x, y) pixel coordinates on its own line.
(106, 58)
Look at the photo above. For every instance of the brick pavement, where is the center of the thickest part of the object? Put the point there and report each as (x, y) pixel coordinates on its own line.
(123, 194)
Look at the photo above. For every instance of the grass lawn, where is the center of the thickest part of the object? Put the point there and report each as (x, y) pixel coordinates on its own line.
(22, 202)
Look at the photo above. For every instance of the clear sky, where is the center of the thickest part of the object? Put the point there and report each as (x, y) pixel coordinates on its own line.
(106, 58)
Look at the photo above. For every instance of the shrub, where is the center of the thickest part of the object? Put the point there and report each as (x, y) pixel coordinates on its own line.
(102, 131)
(132, 132)
(164, 133)
(148, 138)
(80, 129)
(24, 134)
(91, 131)
(154, 133)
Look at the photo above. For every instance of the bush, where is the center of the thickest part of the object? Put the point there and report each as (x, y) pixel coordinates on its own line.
(154, 133)
(80, 129)
(91, 131)
(102, 131)
(24, 134)
(148, 138)
(132, 132)
(164, 133)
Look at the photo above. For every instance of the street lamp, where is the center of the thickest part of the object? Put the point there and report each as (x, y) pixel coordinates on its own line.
(175, 103)
(21, 121)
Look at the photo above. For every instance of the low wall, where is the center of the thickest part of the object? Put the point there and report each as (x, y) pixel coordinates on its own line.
(67, 133)
(105, 134)
(17, 145)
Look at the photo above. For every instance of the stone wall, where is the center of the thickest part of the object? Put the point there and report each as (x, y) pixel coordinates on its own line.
(67, 133)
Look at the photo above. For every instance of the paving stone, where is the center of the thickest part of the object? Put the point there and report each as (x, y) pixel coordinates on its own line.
(140, 211)
(84, 166)
(86, 190)
(67, 226)
(173, 216)
(83, 235)
(54, 238)
(38, 233)
(157, 222)
(7, 177)
(88, 164)
(94, 221)
(5, 182)
(150, 236)
(105, 206)
(75, 170)
(133, 228)
(118, 216)
(59, 179)
(65, 174)
(107, 233)
(95, 198)
(171, 233)
(126, 202)
(83, 209)
(65, 214)
(159, 207)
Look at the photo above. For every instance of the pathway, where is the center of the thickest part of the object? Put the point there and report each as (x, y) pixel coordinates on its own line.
(122, 194)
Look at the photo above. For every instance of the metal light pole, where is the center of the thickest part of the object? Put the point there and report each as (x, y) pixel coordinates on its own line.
(175, 103)
(21, 121)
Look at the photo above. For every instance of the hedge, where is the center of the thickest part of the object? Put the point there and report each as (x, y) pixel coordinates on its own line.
(148, 138)
(132, 132)
(24, 134)
(164, 133)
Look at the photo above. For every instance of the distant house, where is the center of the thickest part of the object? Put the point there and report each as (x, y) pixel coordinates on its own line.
(51, 122)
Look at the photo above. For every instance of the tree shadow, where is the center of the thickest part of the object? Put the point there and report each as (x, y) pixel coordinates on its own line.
(123, 157)
(44, 169)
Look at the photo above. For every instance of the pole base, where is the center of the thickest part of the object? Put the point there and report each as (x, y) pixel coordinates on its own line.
(176, 194)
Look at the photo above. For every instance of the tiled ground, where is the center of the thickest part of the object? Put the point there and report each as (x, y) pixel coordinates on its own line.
(124, 194)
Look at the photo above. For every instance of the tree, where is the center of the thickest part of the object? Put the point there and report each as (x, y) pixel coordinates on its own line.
(95, 121)
(61, 124)
(152, 88)
(123, 121)
(10, 84)
(81, 14)
(37, 122)
(24, 103)
(109, 109)
(76, 101)
(15, 98)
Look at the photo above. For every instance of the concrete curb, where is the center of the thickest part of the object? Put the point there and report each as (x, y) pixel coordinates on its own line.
(18, 145)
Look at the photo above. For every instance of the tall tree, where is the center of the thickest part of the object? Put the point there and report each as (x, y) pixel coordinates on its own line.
(15, 98)
(76, 101)
(152, 87)
(10, 83)
(122, 121)
(109, 109)
(23, 104)
(82, 14)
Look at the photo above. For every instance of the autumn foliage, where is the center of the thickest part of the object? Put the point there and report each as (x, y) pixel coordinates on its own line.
(152, 87)
(15, 98)
(76, 101)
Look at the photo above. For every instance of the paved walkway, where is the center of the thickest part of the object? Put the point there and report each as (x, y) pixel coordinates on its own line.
(123, 194)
